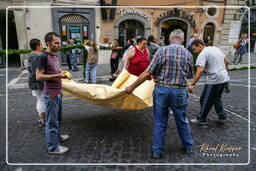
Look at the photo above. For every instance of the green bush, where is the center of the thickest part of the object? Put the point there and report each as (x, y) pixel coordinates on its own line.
(26, 51)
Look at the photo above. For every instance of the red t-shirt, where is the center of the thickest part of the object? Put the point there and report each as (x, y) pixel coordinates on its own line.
(139, 62)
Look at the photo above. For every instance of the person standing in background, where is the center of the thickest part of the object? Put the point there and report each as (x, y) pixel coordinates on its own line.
(152, 46)
(114, 58)
(73, 56)
(92, 60)
(161, 41)
(241, 50)
(68, 53)
(35, 85)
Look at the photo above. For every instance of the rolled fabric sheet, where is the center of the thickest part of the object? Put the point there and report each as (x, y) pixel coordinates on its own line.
(113, 96)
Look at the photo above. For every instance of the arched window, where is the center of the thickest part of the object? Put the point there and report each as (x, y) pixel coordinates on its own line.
(73, 19)
(209, 30)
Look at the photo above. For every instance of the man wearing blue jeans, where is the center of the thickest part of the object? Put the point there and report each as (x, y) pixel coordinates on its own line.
(48, 69)
(73, 56)
(170, 67)
(211, 60)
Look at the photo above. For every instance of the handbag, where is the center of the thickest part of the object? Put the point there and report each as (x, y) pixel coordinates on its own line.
(114, 55)
(237, 45)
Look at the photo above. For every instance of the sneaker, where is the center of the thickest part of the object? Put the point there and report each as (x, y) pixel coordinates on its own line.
(188, 151)
(60, 150)
(64, 138)
(171, 112)
(197, 122)
(112, 78)
(222, 120)
(156, 155)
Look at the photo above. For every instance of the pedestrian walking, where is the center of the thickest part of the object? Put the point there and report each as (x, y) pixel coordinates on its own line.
(241, 50)
(137, 59)
(73, 56)
(48, 69)
(92, 61)
(35, 85)
(152, 46)
(170, 67)
(212, 61)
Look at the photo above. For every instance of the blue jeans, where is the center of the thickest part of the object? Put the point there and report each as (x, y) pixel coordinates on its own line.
(74, 62)
(211, 96)
(53, 120)
(163, 98)
(91, 68)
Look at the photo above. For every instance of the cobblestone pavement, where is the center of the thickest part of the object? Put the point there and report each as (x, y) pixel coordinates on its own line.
(103, 135)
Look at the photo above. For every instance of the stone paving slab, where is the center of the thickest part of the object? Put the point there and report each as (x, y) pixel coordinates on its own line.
(109, 135)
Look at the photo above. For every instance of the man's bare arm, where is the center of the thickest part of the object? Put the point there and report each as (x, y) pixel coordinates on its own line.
(143, 77)
(226, 61)
(41, 76)
(199, 72)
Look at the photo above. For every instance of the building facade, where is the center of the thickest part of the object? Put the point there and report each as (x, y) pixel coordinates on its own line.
(74, 19)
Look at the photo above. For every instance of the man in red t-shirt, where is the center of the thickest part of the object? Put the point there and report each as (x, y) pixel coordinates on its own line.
(137, 59)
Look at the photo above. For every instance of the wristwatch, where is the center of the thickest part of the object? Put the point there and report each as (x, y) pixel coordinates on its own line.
(193, 84)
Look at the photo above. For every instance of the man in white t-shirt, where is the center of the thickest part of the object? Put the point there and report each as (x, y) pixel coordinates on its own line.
(211, 60)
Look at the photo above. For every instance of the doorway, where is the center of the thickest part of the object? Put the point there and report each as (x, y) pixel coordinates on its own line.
(170, 25)
(129, 29)
(209, 30)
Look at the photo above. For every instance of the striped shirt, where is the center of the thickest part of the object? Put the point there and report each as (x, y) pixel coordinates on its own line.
(172, 65)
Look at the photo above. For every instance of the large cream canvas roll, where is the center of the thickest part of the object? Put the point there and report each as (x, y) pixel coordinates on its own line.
(113, 96)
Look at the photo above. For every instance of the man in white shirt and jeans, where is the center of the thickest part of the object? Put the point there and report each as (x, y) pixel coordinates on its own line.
(211, 60)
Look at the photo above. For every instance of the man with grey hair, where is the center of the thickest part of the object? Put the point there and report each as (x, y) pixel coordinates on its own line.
(170, 68)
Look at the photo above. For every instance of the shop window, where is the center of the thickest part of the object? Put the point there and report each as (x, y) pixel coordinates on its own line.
(74, 27)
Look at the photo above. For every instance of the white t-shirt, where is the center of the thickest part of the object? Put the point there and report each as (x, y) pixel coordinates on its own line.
(212, 59)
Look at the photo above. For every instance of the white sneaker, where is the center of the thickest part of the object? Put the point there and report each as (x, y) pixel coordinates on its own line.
(170, 112)
(60, 150)
(64, 138)
(197, 122)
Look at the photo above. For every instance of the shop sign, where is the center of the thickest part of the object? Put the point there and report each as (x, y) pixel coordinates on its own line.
(234, 31)
(176, 13)
(132, 11)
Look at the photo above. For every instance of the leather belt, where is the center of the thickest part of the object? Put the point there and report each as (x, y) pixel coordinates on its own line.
(175, 87)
